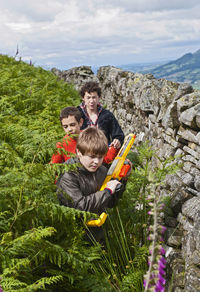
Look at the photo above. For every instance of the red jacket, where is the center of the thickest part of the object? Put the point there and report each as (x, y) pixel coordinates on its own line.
(69, 145)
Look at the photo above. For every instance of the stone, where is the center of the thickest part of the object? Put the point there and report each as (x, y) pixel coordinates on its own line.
(188, 246)
(170, 119)
(175, 272)
(188, 134)
(165, 151)
(198, 138)
(76, 75)
(56, 72)
(171, 141)
(174, 239)
(198, 120)
(192, 191)
(196, 231)
(188, 117)
(187, 178)
(183, 89)
(187, 166)
(195, 258)
(173, 182)
(192, 280)
(167, 114)
(195, 171)
(179, 152)
(194, 147)
(191, 207)
(186, 225)
(192, 152)
(170, 221)
(170, 131)
(178, 198)
(197, 182)
(152, 118)
(129, 117)
(187, 101)
(190, 158)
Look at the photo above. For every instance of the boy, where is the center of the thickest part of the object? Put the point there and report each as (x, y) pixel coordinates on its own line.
(94, 114)
(80, 189)
(71, 121)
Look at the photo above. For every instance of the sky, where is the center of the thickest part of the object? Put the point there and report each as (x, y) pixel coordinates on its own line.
(71, 33)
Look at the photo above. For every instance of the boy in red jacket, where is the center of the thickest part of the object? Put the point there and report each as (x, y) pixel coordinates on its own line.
(71, 121)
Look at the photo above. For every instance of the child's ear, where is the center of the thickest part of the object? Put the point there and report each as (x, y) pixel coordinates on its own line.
(78, 153)
(81, 122)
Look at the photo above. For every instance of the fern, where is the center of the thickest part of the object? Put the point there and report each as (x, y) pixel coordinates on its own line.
(42, 244)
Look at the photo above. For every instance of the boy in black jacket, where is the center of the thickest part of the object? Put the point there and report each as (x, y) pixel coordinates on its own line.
(80, 189)
(94, 114)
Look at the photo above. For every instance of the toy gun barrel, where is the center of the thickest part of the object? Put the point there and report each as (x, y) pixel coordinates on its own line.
(117, 170)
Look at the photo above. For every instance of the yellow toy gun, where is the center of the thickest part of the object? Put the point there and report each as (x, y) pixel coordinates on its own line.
(117, 170)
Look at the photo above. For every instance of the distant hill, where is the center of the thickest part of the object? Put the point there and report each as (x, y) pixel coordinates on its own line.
(184, 69)
(141, 67)
(137, 67)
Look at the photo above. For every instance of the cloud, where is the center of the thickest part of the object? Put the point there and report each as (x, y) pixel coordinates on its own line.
(72, 32)
(154, 5)
(35, 11)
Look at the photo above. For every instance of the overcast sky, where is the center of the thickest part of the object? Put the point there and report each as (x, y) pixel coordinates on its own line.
(68, 33)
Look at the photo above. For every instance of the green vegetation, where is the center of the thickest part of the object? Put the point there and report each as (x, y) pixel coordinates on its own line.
(41, 242)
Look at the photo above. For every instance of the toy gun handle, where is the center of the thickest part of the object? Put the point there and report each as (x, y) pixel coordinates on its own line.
(125, 169)
(97, 222)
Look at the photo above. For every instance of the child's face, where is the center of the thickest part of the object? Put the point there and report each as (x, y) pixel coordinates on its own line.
(91, 100)
(71, 126)
(90, 162)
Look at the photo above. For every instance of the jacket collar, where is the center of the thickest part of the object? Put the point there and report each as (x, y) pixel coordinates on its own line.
(88, 120)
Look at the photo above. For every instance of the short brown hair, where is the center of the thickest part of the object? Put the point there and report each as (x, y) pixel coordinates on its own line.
(92, 141)
(89, 87)
(70, 111)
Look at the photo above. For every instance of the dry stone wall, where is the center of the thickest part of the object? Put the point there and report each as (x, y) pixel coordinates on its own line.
(168, 115)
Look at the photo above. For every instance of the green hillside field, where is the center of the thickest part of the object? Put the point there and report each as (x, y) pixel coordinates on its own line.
(42, 244)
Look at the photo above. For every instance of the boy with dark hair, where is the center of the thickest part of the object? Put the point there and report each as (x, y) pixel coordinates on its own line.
(89, 87)
(94, 114)
(80, 188)
(70, 111)
(71, 121)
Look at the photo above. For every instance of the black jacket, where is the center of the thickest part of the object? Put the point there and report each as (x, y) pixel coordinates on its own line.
(107, 123)
(80, 189)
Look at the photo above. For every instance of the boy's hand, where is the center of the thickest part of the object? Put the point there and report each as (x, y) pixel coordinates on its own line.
(112, 184)
(116, 143)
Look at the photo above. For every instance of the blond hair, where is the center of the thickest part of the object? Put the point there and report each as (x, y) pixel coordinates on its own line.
(92, 141)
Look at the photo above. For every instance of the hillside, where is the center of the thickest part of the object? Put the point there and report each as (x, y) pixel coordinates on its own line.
(141, 67)
(184, 69)
(43, 244)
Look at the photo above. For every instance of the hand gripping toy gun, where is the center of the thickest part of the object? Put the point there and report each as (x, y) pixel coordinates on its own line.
(117, 170)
